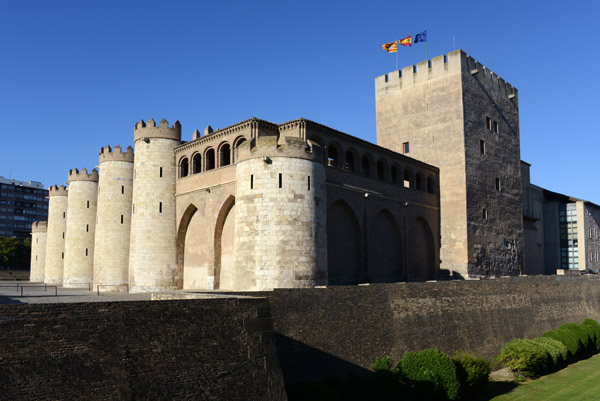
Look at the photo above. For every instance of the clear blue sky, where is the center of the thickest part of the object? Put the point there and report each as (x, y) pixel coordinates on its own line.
(77, 75)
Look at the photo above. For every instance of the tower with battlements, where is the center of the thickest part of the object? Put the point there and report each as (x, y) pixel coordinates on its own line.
(55, 239)
(81, 224)
(454, 113)
(113, 226)
(39, 232)
(281, 215)
(152, 256)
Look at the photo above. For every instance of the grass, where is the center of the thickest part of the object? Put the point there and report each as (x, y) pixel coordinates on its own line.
(579, 381)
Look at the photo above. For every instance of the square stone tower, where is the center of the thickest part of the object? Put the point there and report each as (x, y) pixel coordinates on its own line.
(456, 114)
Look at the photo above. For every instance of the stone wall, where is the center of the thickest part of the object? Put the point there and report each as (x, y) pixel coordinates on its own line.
(187, 349)
(336, 330)
(55, 238)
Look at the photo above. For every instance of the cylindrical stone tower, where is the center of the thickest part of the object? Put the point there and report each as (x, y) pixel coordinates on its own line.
(280, 218)
(39, 232)
(81, 224)
(55, 239)
(152, 255)
(113, 226)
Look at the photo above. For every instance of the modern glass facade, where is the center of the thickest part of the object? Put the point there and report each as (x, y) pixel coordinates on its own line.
(569, 254)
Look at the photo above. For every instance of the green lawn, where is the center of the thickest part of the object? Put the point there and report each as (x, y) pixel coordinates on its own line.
(579, 381)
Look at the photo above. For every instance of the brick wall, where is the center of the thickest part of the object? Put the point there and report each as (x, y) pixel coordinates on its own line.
(185, 349)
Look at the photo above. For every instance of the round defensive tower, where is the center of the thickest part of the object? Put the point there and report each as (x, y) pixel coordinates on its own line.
(55, 238)
(152, 255)
(113, 224)
(39, 232)
(280, 218)
(81, 224)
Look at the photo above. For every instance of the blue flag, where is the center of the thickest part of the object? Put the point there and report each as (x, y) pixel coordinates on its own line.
(421, 37)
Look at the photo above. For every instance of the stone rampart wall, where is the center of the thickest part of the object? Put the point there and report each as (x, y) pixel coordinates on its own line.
(187, 349)
(334, 330)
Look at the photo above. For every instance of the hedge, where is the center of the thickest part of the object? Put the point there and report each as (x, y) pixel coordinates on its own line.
(568, 338)
(431, 372)
(473, 372)
(525, 357)
(557, 350)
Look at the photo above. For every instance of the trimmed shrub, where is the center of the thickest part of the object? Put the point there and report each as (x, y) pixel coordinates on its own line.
(568, 338)
(592, 326)
(473, 372)
(581, 334)
(383, 363)
(525, 357)
(432, 373)
(557, 350)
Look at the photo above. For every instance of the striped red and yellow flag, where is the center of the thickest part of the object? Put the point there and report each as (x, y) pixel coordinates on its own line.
(390, 47)
(406, 41)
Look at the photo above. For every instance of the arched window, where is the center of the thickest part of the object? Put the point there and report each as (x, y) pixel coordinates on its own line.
(394, 174)
(196, 163)
(430, 185)
(184, 167)
(420, 182)
(350, 164)
(209, 160)
(332, 156)
(381, 164)
(407, 178)
(225, 155)
(366, 166)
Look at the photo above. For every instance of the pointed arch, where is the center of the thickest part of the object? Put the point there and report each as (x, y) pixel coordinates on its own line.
(421, 251)
(224, 216)
(181, 234)
(344, 245)
(384, 249)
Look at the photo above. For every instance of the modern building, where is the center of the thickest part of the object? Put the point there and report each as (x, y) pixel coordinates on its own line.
(21, 203)
(562, 233)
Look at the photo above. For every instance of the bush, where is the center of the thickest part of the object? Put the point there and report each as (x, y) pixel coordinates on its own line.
(557, 350)
(525, 357)
(473, 372)
(581, 334)
(432, 373)
(383, 363)
(592, 326)
(568, 338)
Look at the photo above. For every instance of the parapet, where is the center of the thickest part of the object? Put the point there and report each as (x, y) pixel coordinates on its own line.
(39, 226)
(455, 62)
(56, 190)
(148, 130)
(107, 154)
(76, 175)
(270, 146)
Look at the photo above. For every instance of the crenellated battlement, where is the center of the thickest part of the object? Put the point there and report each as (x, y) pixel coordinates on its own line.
(271, 146)
(76, 175)
(39, 226)
(456, 62)
(143, 130)
(56, 190)
(108, 154)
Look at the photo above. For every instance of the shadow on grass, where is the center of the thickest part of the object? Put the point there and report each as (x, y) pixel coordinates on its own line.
(492, 390)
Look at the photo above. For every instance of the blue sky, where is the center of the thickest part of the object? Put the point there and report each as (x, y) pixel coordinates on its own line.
(77, 75)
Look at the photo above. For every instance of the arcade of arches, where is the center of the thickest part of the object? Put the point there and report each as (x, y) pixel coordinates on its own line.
(379, 249)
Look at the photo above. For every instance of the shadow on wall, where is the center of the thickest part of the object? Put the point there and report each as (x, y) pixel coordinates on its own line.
(299, 360)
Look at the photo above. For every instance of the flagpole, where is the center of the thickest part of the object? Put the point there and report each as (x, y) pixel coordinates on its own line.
(426, 40)
(396, 53)
(411, 63)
